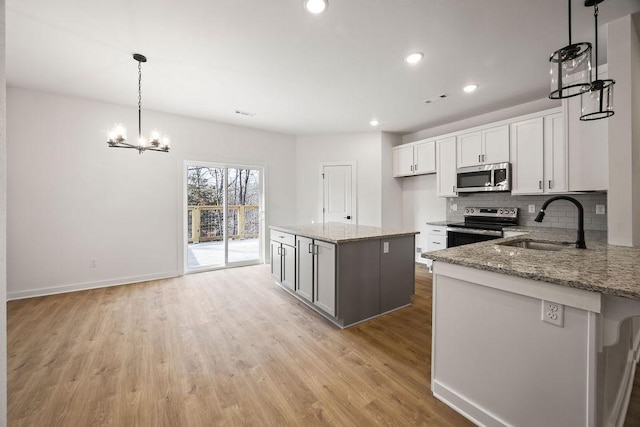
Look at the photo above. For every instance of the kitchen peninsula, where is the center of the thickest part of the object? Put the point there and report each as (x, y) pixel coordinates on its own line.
(527, 337)
(348, 273)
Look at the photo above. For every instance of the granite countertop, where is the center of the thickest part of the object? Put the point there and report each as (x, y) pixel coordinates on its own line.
(603, 268)
(439, 223)
(336, 232)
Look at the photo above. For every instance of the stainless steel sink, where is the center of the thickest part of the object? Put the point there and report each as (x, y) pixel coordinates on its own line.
(537, 245)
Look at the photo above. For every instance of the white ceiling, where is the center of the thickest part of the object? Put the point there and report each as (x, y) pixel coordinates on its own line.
(299, 73)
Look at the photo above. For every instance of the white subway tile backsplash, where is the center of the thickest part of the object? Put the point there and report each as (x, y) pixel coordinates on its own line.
(560, 214)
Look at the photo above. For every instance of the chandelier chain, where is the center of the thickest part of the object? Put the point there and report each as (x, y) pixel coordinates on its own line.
(139, 98)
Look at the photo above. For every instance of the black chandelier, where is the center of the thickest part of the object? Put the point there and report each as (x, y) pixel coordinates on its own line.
(597, 103)
(118, 135)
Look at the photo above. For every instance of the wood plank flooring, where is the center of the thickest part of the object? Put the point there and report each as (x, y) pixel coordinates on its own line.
(220, 348)
(226, 347)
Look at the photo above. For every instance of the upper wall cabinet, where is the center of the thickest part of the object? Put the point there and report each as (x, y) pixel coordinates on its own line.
(539, 155)
(414, 159)
(588, 148)
(483, 147)
(446, 165)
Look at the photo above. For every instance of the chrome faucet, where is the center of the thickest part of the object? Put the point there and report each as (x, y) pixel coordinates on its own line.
(580, 244)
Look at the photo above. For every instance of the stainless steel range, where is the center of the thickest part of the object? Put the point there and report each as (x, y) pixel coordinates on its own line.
(481, 224)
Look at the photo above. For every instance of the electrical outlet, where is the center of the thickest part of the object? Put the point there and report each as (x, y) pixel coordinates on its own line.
(553, 313)
(418, 250)
(532, 208)
(600, 210)
(385, 247)
(454, 207)
(93, 263)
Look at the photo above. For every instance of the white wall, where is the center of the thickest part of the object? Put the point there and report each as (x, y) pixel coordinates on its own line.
(3, 226)
(391, 187)
(362, 148)
(73, 199)
(493, 116)
(623, 54)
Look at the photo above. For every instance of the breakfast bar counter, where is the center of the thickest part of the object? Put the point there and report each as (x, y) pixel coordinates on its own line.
(529, 330)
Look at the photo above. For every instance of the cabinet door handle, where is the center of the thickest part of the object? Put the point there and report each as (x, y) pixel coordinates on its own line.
(454, 188)
(310, 248)
(483, 158)
(315, 249)
(278, 250)
(436, 243)
(411, 168)
(540, 185)
(479, 158)
(549, 184)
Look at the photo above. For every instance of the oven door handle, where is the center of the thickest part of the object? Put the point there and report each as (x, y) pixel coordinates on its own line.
(475, 231)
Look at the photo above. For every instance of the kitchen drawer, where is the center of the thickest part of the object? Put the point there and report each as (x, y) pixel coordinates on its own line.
(282, 237)
(436, 230)
(435, 242)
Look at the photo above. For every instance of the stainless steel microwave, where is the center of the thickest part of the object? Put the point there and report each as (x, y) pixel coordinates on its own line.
(493, 177)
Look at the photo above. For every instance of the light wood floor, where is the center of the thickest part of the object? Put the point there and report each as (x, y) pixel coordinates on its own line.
(221, 348)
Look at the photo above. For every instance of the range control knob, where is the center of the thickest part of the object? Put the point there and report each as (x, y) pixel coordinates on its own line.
(500, 211)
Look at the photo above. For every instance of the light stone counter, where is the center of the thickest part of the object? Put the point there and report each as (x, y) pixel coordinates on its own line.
(335, 232)
(608, 269)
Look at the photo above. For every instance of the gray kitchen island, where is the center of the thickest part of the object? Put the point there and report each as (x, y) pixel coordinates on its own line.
(347, 273)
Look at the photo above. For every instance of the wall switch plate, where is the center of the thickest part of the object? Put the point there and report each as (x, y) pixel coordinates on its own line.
(454, 207)
(418, 250)
(532, 208)
(385, 247)
(600, 210)
(93, 263)
(553, 313)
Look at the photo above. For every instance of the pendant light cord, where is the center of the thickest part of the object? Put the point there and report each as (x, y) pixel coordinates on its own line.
(139, 99)
(595, 14)
(569, 2)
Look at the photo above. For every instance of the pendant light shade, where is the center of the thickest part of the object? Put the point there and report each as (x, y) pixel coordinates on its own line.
(570, 69)
(598, 102)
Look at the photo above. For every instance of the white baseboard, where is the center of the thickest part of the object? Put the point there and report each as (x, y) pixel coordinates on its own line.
(465, 407)
(89, 285)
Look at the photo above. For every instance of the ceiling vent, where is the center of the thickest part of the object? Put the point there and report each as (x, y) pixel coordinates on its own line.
(436, 98)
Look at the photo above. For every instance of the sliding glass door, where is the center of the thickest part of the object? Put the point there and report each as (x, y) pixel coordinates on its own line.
(223, 216)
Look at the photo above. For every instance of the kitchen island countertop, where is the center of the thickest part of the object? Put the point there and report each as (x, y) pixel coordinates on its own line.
(604, 268)
(335, 232)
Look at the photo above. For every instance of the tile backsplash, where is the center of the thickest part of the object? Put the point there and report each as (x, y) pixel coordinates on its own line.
(559, 214)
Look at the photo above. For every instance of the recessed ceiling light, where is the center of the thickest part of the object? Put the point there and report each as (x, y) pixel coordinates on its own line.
(470, 88)
(414, 58)
(374, 122)
(315, 6)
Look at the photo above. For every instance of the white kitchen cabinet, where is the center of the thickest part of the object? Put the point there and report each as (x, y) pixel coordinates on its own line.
(588, 148)
(446, 167)
(555, 153)
(527, 156)
(414, 159)
(283, 259)
(403, 161)
(485, 146)
(436, 239)
(324, 268)
(538, 155)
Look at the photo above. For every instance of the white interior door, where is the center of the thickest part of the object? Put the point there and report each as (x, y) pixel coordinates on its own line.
(338, 193)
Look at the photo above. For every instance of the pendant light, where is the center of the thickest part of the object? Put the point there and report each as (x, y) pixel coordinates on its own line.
(118, 135)
(570, 68)
(597, 103)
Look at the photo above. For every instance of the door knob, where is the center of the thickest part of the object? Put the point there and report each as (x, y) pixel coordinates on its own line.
(348, 217)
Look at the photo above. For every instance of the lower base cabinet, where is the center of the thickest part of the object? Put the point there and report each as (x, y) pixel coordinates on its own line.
(316, 266)
(283, 259)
